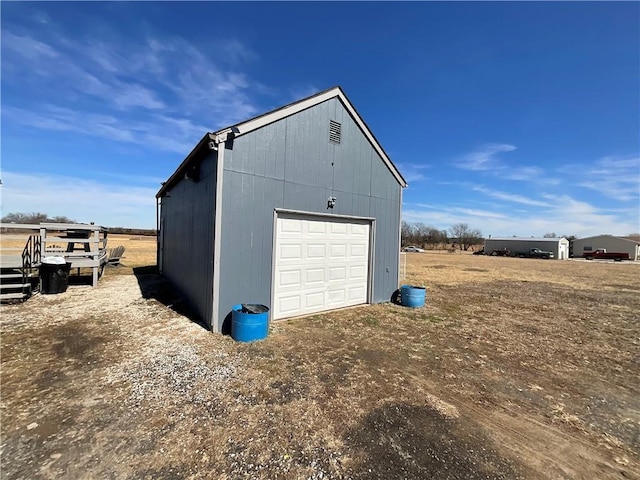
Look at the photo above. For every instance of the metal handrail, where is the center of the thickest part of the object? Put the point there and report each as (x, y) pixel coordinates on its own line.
(31, 255)
(26, 259)
(37, 249)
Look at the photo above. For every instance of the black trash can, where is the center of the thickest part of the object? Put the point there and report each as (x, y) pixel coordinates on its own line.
(54, 275)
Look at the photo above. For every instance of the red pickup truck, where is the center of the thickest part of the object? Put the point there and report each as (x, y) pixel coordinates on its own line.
(602, 254)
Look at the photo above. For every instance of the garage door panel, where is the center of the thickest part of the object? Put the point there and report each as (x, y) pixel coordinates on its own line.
(355, 293)
(338, 251)
(320, 264)
(315, 275)
(315, 299)
(290, 277)
(291, 252)
(338, 274)
(290, 226)
(360, 230)
(339, 228)
(358, 250)
(337, 296)
(316, 228)
(316, 251)
(357, 272)
(288, 304)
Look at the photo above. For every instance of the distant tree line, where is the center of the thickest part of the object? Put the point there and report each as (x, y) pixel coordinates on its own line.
(37, 218)
(132, 231)
(34, 218)
(426, 236)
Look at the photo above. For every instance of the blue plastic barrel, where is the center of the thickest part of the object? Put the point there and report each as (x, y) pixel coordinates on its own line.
(247, 326)
(411, 296)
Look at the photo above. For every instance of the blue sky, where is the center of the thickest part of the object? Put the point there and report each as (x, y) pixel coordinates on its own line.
(516, 118)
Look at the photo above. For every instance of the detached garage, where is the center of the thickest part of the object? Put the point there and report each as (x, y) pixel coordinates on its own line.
(611, 243)
(558, 246)
(297, 209)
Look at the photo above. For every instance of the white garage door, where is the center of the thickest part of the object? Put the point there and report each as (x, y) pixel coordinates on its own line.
(320, 264)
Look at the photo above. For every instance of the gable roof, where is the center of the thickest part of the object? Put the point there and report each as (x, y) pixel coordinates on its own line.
(626, 239)
(273, 116)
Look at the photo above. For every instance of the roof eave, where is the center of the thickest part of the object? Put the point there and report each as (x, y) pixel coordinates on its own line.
(173, 179)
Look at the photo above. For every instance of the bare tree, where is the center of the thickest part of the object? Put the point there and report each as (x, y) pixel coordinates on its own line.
(422, 235)
(465, 236)
(550, 235)
(444, 238)
(475, 238)
(406, 233)
(433, 237)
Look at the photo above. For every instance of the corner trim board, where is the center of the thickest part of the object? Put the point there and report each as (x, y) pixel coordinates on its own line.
(217, 239)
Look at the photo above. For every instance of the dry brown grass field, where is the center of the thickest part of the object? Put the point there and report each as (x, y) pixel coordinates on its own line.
(515, 368)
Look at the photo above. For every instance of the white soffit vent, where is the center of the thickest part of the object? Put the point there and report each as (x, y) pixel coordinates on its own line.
(335, 132)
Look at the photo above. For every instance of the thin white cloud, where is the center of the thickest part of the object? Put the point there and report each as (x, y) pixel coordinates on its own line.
(157, 132)
(521, 173)
(303, 91)
(413, 172)
(80, 199)
(26, 47)
(616, 178)
(40, 17)
(456, 210)
(133, 95)
(126, 88)
(487, 161)
(480, 213)
(484, 158)
(510, 197)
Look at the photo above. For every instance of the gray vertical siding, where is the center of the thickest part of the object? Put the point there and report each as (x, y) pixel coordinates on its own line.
(287, 164)
(188, 214)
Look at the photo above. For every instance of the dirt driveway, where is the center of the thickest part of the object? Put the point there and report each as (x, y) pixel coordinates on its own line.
(514, 369)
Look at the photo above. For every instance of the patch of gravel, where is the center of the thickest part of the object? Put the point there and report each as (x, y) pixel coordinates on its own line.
(167, 372)
(304, 462)
(111, 295)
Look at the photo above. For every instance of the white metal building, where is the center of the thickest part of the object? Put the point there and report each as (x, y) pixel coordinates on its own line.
(558, 246)
(611, 243)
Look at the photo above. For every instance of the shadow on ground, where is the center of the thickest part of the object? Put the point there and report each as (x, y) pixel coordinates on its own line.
(75, 279)
(155, 286)
(416, 442)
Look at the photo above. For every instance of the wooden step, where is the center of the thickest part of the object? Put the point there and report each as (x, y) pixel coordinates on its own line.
(12, 296)
(7, 276)
(10, 276)
(14, 285)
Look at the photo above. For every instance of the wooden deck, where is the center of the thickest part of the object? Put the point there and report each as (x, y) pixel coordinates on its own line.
(84, 246)
(22, 248)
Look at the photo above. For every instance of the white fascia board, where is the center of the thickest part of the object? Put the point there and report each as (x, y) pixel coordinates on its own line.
(294, 108)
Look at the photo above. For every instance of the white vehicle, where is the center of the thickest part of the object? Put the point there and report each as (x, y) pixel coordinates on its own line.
(412, 249)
